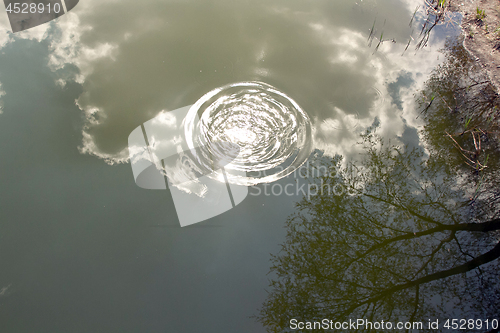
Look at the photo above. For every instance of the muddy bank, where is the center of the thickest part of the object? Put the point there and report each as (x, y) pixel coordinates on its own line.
(481, 27)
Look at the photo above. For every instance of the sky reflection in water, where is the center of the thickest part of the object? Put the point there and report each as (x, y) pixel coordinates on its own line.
(84, 241)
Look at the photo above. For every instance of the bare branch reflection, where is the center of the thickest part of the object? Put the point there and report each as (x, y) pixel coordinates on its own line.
(400, 243)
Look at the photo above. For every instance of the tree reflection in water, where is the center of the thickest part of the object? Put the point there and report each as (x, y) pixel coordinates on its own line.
(405, 241)
(461, 112)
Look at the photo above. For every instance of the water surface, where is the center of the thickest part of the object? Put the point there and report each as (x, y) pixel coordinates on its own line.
(83, 249)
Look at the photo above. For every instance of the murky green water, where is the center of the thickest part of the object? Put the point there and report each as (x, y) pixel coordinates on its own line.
(83, 249)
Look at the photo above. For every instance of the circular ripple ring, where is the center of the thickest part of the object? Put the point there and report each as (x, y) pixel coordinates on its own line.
(272, 132)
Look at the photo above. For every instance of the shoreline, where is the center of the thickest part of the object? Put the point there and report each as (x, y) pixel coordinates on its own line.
(482, 35)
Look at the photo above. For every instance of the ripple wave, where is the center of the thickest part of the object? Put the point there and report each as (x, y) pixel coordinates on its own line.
(272, 133)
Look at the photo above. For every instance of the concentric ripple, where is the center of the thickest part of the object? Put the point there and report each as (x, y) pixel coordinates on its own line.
(270, 130)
